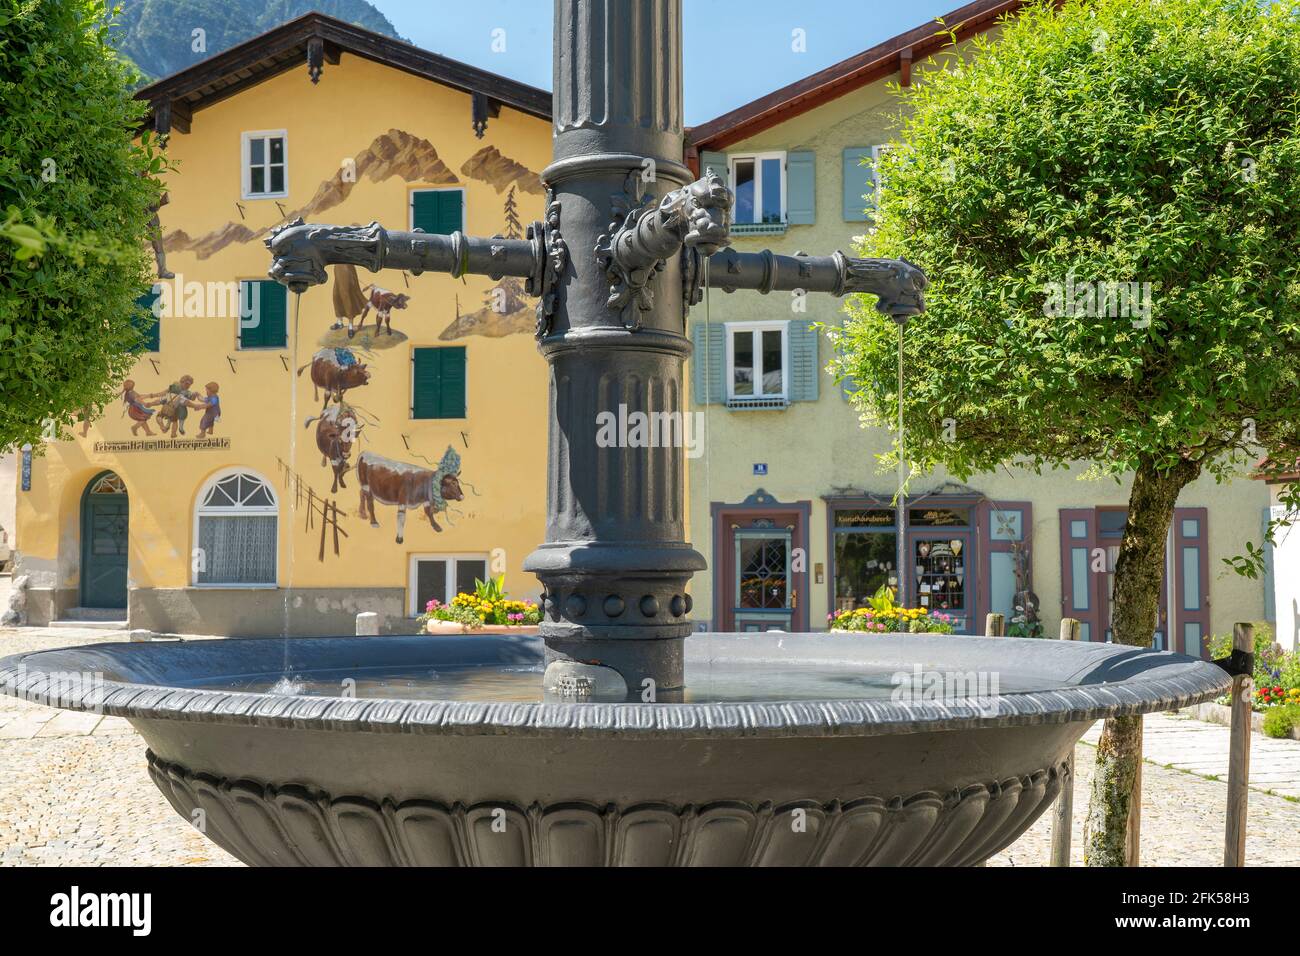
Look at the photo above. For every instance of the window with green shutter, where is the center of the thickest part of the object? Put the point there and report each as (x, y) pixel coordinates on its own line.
(439, 211)
(438, 382)
(263, 318)
(146, 321)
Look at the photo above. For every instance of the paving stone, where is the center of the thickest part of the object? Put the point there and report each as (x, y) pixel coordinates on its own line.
(70, 723)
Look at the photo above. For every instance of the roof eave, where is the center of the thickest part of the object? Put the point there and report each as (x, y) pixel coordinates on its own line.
(857, 71)
(335, 36)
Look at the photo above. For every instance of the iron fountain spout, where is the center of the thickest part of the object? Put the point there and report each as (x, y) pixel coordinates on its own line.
(616, 264)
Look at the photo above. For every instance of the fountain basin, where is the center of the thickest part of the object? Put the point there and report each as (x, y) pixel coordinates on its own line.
(789, 749)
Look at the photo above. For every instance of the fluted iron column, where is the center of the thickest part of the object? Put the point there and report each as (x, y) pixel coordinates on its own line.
(615, 564)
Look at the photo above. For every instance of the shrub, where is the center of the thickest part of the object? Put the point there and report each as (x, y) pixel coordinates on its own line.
(76, 200)
(1279, 721)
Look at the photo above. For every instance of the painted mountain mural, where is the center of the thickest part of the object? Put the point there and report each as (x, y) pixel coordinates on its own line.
(394, 153)
(158, 35)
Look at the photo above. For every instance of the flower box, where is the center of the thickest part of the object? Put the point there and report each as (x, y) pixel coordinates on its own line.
(455, 627)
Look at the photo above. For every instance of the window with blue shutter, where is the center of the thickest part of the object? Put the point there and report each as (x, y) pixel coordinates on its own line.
(801, 187)
(859, 183)
(146, 322)
(440, 211)
(708, 368)
(717, 164)
(805, 372)
(438, 382)
(264, 311)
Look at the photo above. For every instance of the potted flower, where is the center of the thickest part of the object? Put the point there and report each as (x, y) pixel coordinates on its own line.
(489, 610)
(882, 615)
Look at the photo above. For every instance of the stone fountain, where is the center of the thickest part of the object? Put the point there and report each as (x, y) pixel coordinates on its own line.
(612, 737)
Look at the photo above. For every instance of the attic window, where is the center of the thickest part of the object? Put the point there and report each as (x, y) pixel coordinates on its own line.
(264, 165)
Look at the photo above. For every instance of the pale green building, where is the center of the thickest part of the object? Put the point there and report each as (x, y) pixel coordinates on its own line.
(787, 499)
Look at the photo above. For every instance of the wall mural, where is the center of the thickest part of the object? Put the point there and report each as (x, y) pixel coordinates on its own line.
(335, 371)
(337, 429)
(352, 304)
(395, 153)
(344, 360)
(172, 406)
(406, 485)
(501, 172)
(505, 309)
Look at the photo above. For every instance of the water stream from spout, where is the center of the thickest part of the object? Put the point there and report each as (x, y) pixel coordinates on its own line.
(900, 496)
(292, 464)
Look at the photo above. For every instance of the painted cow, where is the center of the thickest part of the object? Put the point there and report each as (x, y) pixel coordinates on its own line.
(336, 429)
(335, 371)
(408, 486)
(383, 302)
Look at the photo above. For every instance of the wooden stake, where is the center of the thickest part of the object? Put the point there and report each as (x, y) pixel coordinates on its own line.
(995, 625)
(1133, 845)
(335, 513)
(1063, 818)
(1243, 689)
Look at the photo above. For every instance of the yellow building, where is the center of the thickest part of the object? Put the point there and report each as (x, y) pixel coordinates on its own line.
(205, 500)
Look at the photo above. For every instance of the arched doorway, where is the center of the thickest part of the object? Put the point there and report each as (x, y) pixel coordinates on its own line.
(104, 525)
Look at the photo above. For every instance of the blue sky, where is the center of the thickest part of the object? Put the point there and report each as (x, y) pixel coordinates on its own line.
(735, 50)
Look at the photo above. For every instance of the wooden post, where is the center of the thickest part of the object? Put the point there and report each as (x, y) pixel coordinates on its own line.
(1063, 817)
(335, 522)
(1133, 845)
(995, 625)
(324, 521)
(1243, 688)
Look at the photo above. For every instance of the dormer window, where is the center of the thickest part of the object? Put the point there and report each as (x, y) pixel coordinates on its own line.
(265, 167)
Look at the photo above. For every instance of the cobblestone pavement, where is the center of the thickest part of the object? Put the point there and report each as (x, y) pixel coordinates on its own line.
(74, 791)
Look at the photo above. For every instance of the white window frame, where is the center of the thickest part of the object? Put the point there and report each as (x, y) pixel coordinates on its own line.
(200, 511)
(757, 159)
(245, 167)
(452, 558)
(410, 203)
(731, 328)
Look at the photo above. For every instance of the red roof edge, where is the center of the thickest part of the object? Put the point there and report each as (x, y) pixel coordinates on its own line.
(847, 75)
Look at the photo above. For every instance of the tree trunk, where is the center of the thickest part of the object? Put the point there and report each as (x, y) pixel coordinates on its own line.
(1138, 572)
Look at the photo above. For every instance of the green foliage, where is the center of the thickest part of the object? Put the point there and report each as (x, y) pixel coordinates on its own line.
(493, 589)
(158, 34)
(882, 602)
(1114, 141)
(1280, 721)
(76, 196)
(1220, 645)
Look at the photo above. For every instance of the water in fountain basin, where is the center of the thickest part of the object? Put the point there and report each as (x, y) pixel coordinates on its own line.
(711, 682)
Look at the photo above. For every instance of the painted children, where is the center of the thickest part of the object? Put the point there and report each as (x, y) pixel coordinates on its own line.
(175, 405)
(210, 405)
(136, 409)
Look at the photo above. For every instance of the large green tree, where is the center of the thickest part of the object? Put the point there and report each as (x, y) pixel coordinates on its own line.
(1106, 197)
(76, 197)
